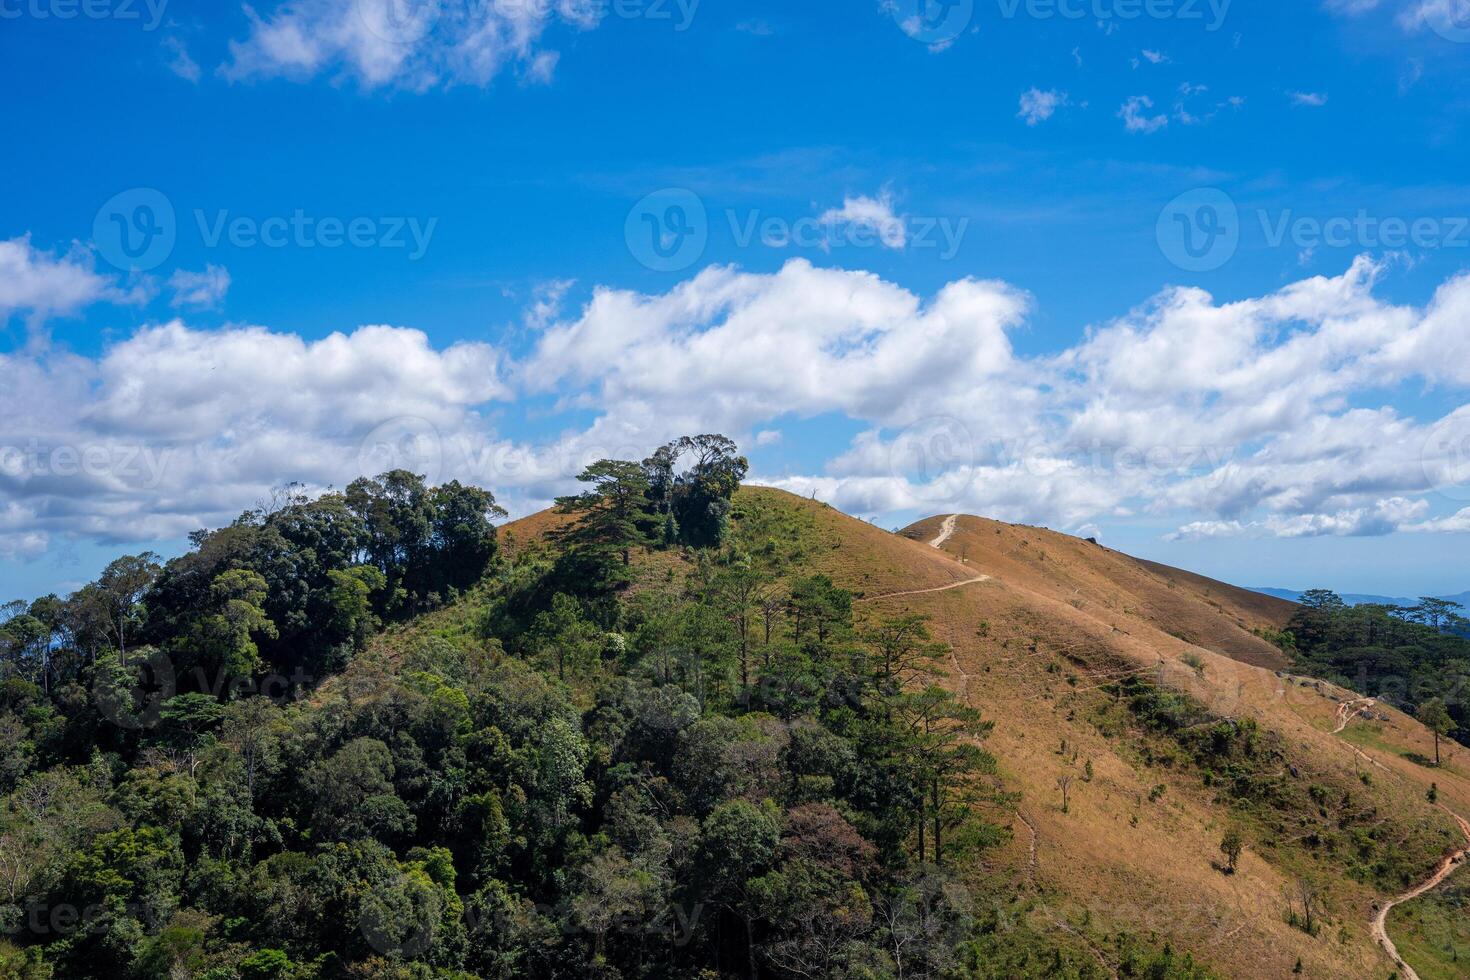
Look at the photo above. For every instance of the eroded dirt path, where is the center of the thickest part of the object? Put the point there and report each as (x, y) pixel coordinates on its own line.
(1446, 867)
(941, 588)
(1346, 712)
(946, 531)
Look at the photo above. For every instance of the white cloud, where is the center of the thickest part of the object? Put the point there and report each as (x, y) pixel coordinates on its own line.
(1314, 100)
(873, 213)
(1037, 106)
(1252, 417)
(1384, 517)
(181, 64)
(199, 290)
(390, 43)
(175, 429)
(50, 284)
(1135, 118)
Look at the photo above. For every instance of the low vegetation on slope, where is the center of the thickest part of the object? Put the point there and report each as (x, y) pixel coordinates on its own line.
(1409, 656)
(1433, 932)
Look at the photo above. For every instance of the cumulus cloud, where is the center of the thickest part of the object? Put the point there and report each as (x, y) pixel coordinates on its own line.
(870, 213)
(417, 46)
(1037, 106)
(1136, 119)
(1255, 417)
(174, 429)
(50, 284)
(1384, 517)
(199, 290)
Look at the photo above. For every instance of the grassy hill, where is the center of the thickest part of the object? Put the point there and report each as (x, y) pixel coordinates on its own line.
(1070, 647)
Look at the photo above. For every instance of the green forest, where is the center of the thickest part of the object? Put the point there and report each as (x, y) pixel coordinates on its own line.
(1413, 657)
(363, 734)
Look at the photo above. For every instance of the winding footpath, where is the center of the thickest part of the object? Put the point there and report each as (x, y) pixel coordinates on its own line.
(945, 533)
(1346, 712)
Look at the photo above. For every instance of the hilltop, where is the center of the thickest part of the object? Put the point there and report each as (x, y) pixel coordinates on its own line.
(1047, 632)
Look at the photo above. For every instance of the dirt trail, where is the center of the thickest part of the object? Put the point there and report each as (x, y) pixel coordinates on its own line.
(1346, 712)
(946, 531)
(941, 588)
(1446, 867)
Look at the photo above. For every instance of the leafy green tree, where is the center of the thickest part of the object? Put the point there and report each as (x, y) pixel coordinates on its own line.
(740, 589)
(352, 600)
(616, 514)
(562, 636)
(737, 845)
(226, 634)
(352, 793)
(938, 749)
(1231, 845)
(1436, 717)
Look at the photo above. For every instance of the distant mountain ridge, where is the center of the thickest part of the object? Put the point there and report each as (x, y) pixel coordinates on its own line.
(1363, 600)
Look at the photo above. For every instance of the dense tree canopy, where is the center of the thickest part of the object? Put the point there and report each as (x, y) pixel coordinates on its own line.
(1408, 656)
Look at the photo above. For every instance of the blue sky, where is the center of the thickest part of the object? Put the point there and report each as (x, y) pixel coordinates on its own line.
(916, 264)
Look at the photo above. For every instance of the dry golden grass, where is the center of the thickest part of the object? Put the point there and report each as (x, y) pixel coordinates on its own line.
(1061, 617)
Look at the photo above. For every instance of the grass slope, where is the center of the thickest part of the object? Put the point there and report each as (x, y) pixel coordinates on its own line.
(1037, 647)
